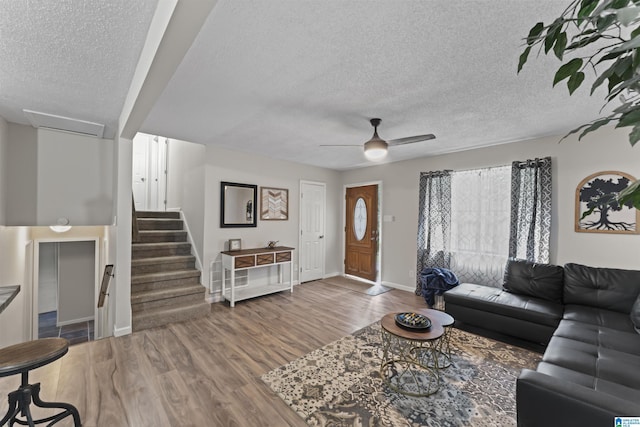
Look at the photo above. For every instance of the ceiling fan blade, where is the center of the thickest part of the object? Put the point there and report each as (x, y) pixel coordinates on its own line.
(411, 139)
(341, 145)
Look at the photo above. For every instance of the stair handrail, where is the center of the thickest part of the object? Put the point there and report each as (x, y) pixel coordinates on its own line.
(104, 286)
(135, 233)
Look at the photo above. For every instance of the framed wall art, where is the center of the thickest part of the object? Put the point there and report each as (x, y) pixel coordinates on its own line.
(274, 204)
(597, 194)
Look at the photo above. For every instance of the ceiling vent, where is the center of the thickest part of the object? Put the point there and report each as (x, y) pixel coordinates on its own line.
(51, 121)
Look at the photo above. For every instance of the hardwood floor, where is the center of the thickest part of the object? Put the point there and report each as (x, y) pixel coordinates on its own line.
(206, 372)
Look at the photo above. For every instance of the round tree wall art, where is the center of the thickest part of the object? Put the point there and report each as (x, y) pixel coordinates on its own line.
(597, 207)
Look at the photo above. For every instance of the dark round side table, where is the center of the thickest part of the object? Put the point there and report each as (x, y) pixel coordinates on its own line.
(22, 358)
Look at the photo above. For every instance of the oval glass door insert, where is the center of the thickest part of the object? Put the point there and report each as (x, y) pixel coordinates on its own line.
(360, 219)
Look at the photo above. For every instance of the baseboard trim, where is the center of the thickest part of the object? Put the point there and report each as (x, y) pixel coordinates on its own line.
(398, 286)
(71, 322)
(327, 275)
(119, 332)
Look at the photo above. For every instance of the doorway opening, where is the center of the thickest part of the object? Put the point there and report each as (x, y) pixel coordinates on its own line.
(149, 175)
(362, 231)
(65, 290)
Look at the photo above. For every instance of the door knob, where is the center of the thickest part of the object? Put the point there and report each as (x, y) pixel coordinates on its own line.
(321, 237)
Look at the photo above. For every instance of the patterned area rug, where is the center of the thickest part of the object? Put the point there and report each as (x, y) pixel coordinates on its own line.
(340, 385)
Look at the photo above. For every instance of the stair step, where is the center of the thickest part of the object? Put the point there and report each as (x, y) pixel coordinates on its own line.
(146, 286)
(163, 315)
(164, 276)
(185, 295)
(164, 249)
(162, 264)
(159, 224)
(158, 236)
(158, 214)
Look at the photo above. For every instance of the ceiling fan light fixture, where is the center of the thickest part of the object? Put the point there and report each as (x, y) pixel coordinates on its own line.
(375, 149)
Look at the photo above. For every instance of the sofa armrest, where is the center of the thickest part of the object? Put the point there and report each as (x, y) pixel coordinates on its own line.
(544, 401)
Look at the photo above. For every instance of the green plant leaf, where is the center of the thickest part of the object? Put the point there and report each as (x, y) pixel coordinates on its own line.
(630, 118)
(561, 44)
(575, 81)
(628, 45)
(586, 8)
(534, 33)
(634, 137)
(595, 126)
(602, 77)
(552, 35)
(630, 194)
(619, 4)
(584, 42)
(609, 56)
(567, 70)
(604, 22)
(523, 58)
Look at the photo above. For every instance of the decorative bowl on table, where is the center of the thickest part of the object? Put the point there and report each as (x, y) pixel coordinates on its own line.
(414, 321)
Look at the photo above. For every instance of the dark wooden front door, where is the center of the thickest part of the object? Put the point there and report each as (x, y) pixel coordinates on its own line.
(361, 232)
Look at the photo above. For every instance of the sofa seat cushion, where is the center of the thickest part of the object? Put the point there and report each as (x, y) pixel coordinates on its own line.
(629, 392)
(596, 316)
(607, 288)
(498, 301)
(600, 336)
(596, 361)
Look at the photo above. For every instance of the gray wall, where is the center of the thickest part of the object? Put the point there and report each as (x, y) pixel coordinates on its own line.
(185, 185)
(607, 149)
(247, 168)
(22, 175)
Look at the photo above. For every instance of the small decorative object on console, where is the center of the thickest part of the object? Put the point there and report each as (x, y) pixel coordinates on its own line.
(272, 244)
(235, 244)
(413, 321)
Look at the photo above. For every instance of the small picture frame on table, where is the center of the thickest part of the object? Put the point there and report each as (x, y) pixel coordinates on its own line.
(235, 244)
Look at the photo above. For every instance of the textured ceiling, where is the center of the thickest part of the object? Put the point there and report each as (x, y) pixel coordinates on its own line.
(71, 58)
(282, 77)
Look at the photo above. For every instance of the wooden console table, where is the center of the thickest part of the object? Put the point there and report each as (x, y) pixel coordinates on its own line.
(255, 258)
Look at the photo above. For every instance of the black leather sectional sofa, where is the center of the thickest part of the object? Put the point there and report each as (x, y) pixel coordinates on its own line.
(589, 320)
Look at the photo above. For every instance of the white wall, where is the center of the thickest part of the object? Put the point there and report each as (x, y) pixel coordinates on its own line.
(185, 185)
(75, 178)
(22, 175)
(4, 142)
(607, 149)
(14, 325)
(226, 165)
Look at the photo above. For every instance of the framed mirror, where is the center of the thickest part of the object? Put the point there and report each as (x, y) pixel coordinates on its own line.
(238, 205)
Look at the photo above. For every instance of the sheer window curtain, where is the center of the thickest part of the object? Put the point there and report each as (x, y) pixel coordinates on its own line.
(530, 210)
(480, 214)
(434, 222)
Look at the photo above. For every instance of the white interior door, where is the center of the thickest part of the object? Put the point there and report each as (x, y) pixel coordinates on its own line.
(312, 230)
(76, 282)
(140, 171)
(157, 173)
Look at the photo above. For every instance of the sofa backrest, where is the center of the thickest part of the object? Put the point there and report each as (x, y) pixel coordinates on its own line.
(608, 288)
(536, 280)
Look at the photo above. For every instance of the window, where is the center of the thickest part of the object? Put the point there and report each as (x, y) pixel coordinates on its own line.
(480, 216)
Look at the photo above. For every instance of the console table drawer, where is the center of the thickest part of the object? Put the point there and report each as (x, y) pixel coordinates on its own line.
(283, 256)
(245, 261)
(264, 259)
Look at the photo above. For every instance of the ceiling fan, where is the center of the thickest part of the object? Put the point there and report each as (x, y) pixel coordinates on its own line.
(376, 148)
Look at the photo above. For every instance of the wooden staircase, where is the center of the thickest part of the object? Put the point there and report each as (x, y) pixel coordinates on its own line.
(165, 285)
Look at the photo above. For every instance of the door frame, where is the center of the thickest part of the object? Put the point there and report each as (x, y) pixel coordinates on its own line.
(344, 225)
(98, 262)
(324, 226)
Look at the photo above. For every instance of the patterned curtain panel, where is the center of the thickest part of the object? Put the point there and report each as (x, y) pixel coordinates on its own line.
(530, 210)
(434, 222)
(480, 211)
